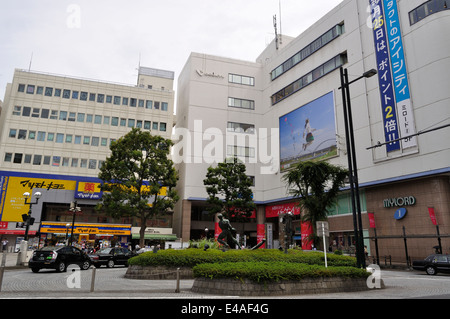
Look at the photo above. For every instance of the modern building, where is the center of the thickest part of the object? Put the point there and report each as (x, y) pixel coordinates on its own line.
(287, 107)
(55, 133)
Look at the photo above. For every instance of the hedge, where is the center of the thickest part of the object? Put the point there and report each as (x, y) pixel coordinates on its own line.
(265, 272)
(192, 257)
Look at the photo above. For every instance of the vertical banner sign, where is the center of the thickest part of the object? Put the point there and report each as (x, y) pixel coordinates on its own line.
(388, 104)
(371, 220)
(260, 234)
(432, 215)
(400, 76)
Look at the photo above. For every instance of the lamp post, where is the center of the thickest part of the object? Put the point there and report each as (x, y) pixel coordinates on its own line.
(67, 232)
(352, 166)
(21, 257)
(27, 217)
(74, 209)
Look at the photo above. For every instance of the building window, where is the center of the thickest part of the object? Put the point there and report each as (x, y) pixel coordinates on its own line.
(164, 106)
(240, 128)
(312, 76)
(100, 98)
(13, 133)
(74, 162)
(45, 113)
(30, 89)
(37, 159)
(318, 43)
(148, 104)
(8, 157)
(426, 9)
(240, 151)
(18, 158)
(75, 95)
(92, 97)
(241, 103)
(48, 91)
(83, 96)
(22, 134)
(59, 138)
(17, 110)
(162, 126)
(26, 111)
(116, 100)
(66, 94)
(241, 79)
(21, 88)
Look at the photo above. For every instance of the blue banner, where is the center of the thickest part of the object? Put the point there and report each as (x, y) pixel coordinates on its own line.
(400, 75)
(388, 103)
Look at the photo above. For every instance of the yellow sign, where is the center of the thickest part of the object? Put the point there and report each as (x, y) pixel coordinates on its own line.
(12, 200)
(96, 229)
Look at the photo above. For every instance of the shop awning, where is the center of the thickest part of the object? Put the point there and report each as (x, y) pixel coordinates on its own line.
(16, 232)
(156, 236)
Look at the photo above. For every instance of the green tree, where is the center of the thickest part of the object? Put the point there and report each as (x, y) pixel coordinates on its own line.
(139, 178)
(228, 189)
(316, 186)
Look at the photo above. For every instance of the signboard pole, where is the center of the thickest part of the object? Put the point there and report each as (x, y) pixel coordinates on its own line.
(324, 247)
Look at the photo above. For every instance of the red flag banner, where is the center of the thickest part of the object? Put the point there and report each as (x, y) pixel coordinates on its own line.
(371, 220)
(432, 215)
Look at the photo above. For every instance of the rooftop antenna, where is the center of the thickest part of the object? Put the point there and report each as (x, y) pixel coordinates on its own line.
(31, 60)
(276, 34)
(281, 33)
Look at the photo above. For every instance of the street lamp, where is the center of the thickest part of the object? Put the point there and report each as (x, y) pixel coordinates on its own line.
(67, 232)
(74, 209)
(27, 217)
(21, 257)
(351, 157)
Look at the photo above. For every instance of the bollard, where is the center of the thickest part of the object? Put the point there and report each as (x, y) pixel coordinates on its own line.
(177, 290)
(2, 270)
(93, 278)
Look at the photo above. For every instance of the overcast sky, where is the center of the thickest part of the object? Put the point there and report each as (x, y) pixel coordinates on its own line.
(104, 39)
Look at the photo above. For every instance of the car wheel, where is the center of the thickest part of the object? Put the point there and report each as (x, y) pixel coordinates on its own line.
(431, 270)
(35, 270)
(61, 267)
(85, 265)
(110, 263)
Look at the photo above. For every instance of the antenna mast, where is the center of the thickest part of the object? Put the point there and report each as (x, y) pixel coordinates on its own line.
(281, 33)
(275, 26)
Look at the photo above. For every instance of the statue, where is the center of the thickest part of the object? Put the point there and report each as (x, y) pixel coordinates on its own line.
(226, 228)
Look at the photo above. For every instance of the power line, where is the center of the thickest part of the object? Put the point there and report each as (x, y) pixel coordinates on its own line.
(402, 138)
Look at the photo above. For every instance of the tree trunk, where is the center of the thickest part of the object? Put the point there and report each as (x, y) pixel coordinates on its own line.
(142, 232)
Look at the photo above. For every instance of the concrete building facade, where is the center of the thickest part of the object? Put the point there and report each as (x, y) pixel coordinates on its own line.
(55, 134)
(263, 111)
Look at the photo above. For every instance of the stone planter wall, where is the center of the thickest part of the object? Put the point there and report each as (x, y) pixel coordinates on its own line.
(157, 272)
(234, 287)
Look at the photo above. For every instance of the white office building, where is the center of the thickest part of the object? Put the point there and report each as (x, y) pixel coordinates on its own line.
(55, 133)
(287, 107)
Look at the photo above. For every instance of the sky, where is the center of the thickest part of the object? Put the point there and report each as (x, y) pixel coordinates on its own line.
(106, 40)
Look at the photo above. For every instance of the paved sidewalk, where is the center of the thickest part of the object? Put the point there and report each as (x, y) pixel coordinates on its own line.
(11, 260)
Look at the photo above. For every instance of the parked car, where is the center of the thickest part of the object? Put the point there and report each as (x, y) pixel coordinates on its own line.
(58, 257)
(111, 257)
(433, 264)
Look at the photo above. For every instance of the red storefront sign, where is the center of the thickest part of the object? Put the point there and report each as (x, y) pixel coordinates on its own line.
(16, 232)
(276, 210)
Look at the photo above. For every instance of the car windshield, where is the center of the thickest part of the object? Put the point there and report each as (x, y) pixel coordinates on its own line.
(49, 248)
(105, 251)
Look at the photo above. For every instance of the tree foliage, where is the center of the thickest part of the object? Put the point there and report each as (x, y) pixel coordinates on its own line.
(316, 186)
(228, 189)
(139, 178)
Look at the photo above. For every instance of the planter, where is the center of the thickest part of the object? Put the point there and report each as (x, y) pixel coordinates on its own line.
(234, 287)
(157, 272)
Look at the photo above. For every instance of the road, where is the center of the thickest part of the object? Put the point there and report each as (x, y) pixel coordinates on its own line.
(110, 283)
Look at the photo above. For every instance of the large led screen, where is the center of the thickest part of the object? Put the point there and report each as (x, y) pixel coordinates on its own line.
(308, 132)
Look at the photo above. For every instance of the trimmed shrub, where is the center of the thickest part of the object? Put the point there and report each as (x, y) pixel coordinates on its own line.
(192, 257)
(273, 271)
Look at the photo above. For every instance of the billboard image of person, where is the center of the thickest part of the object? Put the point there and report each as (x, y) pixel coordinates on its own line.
(308, 132)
